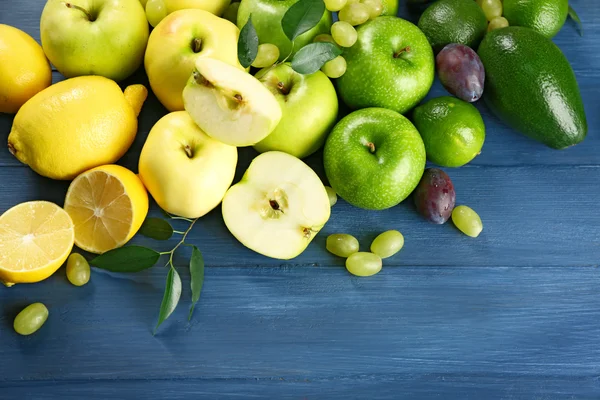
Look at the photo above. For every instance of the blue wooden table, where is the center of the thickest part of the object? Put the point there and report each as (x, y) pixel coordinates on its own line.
(514, 314)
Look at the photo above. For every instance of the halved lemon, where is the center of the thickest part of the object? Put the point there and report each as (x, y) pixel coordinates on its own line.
(108, 205)
(35, 240)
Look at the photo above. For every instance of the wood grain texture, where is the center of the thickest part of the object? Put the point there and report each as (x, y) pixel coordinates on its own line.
(511, 315)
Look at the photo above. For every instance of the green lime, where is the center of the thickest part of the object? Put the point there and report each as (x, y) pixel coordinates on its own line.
(544, 16)
(453, 21)
(452, 130)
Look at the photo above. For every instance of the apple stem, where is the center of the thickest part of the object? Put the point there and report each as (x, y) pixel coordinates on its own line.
(196, 45)
(83, 10)
(402, 51)
(188, 151)
(12, 149)
(282, 88)
(371, 147)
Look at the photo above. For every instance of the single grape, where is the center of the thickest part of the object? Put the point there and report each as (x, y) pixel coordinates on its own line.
(344, 34)
(342, 245)
(30, 319)
(363, 264)
(155, 11)
(335, 68)
(354, 14)
(434, 196)
(231, 12)
(78, 270)
(335, 5)
(467, 221)
(491, 8)
(497, 23)
(267, 55)
(332, 196)
(375, 7)
(324, 37)
(461, 72)
(387, 244)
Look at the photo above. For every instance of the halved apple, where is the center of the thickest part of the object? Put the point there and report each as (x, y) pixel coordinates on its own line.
(229, 104)
(278, 207)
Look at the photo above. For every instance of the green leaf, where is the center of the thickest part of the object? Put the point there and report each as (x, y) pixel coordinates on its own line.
(302, 17)
(127, 259)
(197, 277)
(247, 44)
(170, 298)
(312, 57)
(156, 228)
(575, 17)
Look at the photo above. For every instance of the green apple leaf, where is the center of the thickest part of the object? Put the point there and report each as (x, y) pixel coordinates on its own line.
(575, 17)
(127, 259)
(247, 44)
(197, 277)
(312, 57)
(170, 298)
(156, 228)
(302, 17)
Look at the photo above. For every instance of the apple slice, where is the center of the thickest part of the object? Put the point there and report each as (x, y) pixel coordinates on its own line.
(278, 207)
(229, 104)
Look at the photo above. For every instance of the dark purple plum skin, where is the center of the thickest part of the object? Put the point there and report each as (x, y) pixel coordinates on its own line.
(461, 72)
(435, 196)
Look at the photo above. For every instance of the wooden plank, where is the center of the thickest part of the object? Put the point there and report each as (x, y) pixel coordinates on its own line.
(478, 327)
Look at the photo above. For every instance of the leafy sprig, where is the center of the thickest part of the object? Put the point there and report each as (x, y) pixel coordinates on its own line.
(139, 258)
(298, 19)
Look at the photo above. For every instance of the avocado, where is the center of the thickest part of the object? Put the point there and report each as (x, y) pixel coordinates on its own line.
(530, 85)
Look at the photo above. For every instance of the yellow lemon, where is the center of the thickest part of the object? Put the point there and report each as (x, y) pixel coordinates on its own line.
(76, 125)
(35, 240)
(24, 69)
(108, 205)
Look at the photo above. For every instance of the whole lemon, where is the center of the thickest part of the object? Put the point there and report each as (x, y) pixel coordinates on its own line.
(76, 125)
(24, 69)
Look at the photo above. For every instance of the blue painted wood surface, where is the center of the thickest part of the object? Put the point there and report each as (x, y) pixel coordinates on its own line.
(514, 314)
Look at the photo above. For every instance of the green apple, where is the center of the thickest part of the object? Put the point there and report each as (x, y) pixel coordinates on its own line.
(175, 45)
(390, 7)
(278, 207)
(216, 7)
(309, 107)
(266, 18)
(391, 66)
(186, 171)
(94, 37)
(374, 158)
(229, 104)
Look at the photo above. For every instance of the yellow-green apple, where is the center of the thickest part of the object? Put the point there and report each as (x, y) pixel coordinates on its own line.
(309, 107)
(229, 104)
(278, 207)
(156, 10)
(175, 45)
(186, 171)
(266, 18)
(94, 37)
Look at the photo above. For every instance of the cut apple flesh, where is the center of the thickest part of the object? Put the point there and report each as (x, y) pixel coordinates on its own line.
(229, 104)
(278, 207)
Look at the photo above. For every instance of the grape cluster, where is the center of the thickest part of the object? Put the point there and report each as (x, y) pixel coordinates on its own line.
(351, 13)
(493, 12)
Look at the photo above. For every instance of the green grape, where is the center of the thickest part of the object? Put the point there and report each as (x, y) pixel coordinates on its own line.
(231, 12)
(354, 14)
(363, 264)
(335, 5)
(467, 221)
(267, 55)
(155, 11)
(375, 7)
(335, 68)
(324, 37)
(30, 319)
(491, 8)
(332, 196)
(387, 244)
(344, 34)
(497, 23)
(342, 245)
(78, 270)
